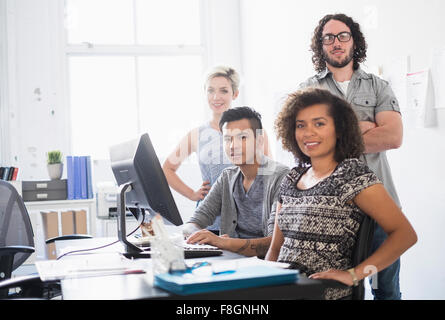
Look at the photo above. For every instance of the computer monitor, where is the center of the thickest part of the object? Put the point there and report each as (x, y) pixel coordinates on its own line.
(142, 184)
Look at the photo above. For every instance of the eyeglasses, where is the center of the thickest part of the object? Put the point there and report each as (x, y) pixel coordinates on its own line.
(329, 38)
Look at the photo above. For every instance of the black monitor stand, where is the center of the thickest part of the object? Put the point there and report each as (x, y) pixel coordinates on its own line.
(131, 251)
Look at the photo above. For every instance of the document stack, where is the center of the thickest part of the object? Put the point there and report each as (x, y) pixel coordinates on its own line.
(79, 177)
(244, 277)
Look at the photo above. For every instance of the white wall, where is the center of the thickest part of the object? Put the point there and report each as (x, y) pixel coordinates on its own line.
(35, 110)
(35, 116)
(276, 58)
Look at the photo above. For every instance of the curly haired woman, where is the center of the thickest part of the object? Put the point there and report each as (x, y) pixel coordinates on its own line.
(323, 200)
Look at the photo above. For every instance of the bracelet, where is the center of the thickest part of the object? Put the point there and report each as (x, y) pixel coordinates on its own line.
(354, 277)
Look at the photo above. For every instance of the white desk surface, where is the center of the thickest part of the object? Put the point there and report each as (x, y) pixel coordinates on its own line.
(114, 287)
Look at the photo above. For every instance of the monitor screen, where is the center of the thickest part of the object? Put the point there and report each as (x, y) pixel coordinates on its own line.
(136, 162)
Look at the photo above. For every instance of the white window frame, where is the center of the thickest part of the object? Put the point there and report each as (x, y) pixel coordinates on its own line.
(134, 51)
(220, 44)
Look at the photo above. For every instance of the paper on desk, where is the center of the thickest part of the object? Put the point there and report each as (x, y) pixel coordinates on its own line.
(233, 264)
(88, 266)
(255, 261)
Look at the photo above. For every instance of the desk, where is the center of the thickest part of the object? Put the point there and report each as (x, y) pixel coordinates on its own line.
(140, 286)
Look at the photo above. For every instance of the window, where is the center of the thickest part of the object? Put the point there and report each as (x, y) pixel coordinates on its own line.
(134, 66)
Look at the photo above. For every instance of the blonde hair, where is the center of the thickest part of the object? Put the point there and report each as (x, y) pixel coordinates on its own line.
(226, 72)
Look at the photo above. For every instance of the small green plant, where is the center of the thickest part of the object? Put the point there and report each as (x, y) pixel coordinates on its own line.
(54, 157)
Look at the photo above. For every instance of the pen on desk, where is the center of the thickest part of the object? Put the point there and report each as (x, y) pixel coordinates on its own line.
(134, 271)
(99, 269)
(99, 272)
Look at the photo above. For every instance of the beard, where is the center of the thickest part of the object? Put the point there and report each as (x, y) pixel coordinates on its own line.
(341, 63)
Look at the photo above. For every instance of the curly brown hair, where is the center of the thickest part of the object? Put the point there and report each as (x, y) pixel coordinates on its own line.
(317, 46)
(349, 138)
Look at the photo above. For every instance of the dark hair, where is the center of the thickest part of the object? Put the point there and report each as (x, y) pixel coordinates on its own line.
(360, 45)
(239, 113)
(349, 139)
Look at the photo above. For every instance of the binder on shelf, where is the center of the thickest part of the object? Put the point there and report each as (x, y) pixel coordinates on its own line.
(6, 174)
(15, 174)
(70, 177)
(83, 178)
(245, 277)
(79, 176)
(11, 173)
(77, 187)
(89, 179)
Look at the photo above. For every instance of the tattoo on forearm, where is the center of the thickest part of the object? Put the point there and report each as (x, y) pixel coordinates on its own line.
(259, 248)
(244, 247)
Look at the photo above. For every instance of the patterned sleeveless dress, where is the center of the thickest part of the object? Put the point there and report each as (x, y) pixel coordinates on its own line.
(320, 224)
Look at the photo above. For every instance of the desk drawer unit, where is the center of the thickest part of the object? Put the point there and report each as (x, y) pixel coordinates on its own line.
(44, 190)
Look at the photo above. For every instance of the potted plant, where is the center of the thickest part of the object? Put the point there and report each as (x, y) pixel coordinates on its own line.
(55, 165)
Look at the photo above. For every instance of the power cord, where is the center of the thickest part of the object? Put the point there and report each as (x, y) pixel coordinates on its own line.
(97, 248)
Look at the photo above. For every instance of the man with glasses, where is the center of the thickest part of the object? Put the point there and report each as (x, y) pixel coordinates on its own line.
(338, 48)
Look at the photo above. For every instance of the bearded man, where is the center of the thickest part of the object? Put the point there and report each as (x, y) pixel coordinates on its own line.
(338, 48)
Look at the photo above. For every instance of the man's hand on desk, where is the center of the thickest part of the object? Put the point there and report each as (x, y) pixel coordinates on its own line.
(208, 237)
(189, 228)
(247, 247)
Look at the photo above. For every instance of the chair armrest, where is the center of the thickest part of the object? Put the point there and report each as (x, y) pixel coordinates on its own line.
(18, 281)
(30, 286)
(16, 249)
(69, 237)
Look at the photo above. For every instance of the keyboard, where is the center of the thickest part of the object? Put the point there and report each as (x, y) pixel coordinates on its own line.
(200, 250)
(190, 250)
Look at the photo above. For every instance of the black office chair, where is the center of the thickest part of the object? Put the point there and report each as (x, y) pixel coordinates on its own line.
(361, 251)
(16, 235)
(17, 244)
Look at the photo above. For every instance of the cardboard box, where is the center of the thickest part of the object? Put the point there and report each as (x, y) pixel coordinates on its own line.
(68, 226)
(80, 218)
(50, 230)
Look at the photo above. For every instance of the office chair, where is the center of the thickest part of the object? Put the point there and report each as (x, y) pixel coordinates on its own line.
(16, 235)
(361, 251)
(17, 244)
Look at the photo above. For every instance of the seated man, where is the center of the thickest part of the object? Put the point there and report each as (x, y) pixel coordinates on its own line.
(244, 195)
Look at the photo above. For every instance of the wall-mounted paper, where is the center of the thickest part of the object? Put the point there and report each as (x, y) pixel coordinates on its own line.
(395, 72)
(417, 84)
(438, 76)
(420, 98)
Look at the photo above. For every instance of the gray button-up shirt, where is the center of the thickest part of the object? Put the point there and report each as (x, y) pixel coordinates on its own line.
(368, 95)
(220, 201)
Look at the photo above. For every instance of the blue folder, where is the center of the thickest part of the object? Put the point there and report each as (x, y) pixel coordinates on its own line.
(89, 178)
(246, 277)
(77, 180)
(83, 178)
